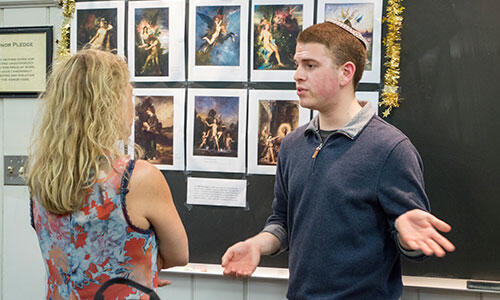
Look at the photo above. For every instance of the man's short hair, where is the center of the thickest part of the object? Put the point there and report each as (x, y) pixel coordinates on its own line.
(343, 46)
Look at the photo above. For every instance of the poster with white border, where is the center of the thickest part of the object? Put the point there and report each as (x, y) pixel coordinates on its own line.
(286, 13)
(104, 26)
(217, 30)
(364, 16)
(272, 114)
(156, 40)
(160, 115)
(372, 97)
(216, 192)
(216, 130)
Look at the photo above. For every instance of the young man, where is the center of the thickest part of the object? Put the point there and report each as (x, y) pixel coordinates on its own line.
(349, 190)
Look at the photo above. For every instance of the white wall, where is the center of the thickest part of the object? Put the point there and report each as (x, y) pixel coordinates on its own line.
(21, 266)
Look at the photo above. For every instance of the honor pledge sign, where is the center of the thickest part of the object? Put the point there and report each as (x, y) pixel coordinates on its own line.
(23, 61)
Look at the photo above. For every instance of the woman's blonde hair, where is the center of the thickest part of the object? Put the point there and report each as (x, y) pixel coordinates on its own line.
(82, 123)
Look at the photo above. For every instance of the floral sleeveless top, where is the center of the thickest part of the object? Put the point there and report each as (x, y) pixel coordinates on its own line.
(84, 249)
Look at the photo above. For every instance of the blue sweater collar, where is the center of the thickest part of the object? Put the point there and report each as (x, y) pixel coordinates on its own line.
(353, 127)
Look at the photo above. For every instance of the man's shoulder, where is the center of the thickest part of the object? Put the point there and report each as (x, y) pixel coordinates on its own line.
(381, 133)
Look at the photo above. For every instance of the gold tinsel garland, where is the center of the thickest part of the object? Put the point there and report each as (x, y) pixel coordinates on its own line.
(392, 42)
(68, 7)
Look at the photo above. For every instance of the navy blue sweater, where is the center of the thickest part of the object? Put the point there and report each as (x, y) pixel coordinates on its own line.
(338, 209)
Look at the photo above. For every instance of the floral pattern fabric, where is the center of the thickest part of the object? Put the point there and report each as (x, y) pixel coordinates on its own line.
(84, 249)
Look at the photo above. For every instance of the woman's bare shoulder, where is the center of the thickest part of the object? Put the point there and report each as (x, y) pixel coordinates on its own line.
(147, 177)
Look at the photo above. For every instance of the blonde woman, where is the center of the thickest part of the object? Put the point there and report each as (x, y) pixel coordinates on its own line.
(97, 214)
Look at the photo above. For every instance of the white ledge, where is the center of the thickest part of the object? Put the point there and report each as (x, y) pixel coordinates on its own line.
(283, 274)
(210, 269)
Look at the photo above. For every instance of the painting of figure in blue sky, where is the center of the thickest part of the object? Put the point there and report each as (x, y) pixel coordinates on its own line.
(359, 16)
(276, 28)
(151, 41)
(216, 126)
(217, 36)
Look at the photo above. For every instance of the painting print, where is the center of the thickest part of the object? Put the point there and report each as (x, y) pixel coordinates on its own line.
(98, 25)
(276, 120)
(217, 36)
(154, 123)
(357, 15)
(272, 116)
(96, 29)
(216, 130)
(275, 27)
(275, 30)
(216, 126)
(156, 48)
(151, 41)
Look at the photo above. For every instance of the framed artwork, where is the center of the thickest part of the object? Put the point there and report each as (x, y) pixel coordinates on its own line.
(156, 40)
(159, 126)
(366, 17)
(98, 25)
(274, 30)
(272, 114)
(218, 35)
(371, 97)
(216, 128)
(25, 59)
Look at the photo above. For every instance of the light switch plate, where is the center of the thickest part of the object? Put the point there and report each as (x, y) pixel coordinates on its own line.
(15, 169)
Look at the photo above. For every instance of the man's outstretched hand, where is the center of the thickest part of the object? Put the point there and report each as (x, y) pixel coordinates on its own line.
(241, 259)
(417, 231)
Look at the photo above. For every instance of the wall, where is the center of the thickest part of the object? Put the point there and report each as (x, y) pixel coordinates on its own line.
(22, 271)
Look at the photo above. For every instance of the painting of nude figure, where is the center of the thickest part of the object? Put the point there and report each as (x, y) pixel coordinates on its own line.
(216, 126)
(96, 29)
(276, 28)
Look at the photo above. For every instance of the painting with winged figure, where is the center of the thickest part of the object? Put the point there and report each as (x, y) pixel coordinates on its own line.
(217, 35)
(151, 41)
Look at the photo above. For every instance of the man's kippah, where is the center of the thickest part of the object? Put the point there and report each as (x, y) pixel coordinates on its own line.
(352, 31)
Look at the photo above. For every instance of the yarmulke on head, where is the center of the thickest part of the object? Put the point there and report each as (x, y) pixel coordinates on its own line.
(347, 27)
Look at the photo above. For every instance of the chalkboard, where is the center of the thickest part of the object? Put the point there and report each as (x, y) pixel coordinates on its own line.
(449, 70)
(449, 82)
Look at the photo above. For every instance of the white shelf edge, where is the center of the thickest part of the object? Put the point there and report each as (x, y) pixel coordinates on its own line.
(282, 274)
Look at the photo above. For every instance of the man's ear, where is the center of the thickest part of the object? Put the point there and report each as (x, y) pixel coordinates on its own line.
(347, 71)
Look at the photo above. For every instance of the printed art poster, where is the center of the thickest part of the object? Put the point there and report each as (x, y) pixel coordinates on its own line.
(218, 39)
(216, 130)
(365, 17)
(98, 25)
(276, 25)
(272, 116)
(217, 35)
(155, 40)
(158, 126)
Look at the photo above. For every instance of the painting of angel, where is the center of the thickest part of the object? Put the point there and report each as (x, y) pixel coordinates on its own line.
(216, 126)
(217, 36)
(275, 32)
(151, 41)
